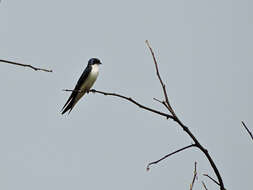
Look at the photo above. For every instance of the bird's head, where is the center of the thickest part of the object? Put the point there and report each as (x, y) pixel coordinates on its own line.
(94, 61)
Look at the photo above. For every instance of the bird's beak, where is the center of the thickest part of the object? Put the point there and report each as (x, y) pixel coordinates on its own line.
(100, 63)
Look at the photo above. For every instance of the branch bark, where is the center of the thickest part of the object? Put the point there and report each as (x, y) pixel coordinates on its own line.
(168, 155)
(247, 129)
(25, 65)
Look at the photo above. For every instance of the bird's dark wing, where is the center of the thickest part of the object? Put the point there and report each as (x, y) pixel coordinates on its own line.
(71, 101)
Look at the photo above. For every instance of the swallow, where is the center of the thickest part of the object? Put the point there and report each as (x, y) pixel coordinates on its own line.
(83, 85)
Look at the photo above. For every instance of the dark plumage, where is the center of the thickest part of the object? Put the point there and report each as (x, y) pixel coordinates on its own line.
(84, 84)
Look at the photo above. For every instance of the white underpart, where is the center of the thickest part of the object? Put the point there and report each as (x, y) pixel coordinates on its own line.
(89, 82)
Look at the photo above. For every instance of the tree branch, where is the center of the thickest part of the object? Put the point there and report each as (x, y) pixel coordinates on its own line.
(194, 175)
(166, 156)
(185, 128)
(212, 179)
(25, 65)
(251, 135)
(166, 103)
(204, 185)
(133, 101)
(128, 99)
(173, 116)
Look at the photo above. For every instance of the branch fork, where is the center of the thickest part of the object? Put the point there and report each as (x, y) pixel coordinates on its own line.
(171, 115)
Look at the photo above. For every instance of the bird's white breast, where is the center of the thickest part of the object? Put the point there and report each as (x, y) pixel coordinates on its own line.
(91, 78)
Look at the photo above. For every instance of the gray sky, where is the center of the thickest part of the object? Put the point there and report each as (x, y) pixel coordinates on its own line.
(204, 49)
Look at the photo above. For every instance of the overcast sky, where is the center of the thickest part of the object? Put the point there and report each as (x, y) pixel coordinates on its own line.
(204, 49)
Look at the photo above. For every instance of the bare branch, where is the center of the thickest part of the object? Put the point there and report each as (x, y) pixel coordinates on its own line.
(25, 65)
(247, 129)
(204, 185)
(166, 156)
(212, 179)
(185, 128)
(133, 101)
(194, 175)
(173, 116)
(128, 99)
(168, 106)
(158, 100)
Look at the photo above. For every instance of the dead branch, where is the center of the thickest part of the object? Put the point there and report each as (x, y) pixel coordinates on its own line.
(176, 119)
(170, 154)
(173, 116)
(204, 185)
(126, 98)
(247, 129)
(212, 179)
(134, 102)
(194, 175)
(166, 103)
(25, 65)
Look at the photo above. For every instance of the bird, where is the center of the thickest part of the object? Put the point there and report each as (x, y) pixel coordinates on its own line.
(83, 85)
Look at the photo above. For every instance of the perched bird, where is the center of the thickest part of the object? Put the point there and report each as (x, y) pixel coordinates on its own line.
(84, 84)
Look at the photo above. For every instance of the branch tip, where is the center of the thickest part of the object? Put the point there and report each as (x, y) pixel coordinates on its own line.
(170, 154)
(26, 65)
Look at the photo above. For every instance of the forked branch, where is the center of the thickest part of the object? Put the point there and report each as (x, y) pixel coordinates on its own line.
(185, 128)
(166, 103)
(173, 116)
(168, 116)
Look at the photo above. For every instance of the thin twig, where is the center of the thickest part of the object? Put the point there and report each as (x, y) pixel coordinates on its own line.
(165, 104)
(160, 79)
(185, 128)
(204, 185)
(158, 100)
(133, 101)
(212, 179)
(25, 65)
(166, 156)
(194, 175)
(247, 129)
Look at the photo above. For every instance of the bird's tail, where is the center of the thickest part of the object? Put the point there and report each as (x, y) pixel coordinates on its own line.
(72, 103)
